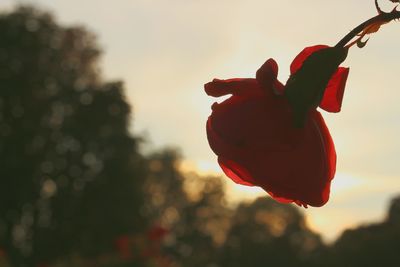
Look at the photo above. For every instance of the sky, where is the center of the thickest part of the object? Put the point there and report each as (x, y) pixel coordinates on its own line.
(165, 50)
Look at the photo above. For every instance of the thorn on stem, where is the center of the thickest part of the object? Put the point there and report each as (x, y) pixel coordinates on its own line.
(394, 9)
(361, 43)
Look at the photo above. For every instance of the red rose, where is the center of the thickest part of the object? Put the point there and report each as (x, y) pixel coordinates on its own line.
(257, 143)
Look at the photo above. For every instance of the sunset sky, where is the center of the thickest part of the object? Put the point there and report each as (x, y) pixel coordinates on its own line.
(165, 50)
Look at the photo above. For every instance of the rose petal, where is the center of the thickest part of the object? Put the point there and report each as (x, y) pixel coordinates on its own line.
(280, 199)
(256, 123)
(237, 86)
(236, 172)
(220, 146)
(267, 75)
(311, 167)
(303, 55)
(333, 96)
(330, 158)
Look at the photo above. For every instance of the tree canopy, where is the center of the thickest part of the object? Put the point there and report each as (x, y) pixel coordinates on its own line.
(70, 171)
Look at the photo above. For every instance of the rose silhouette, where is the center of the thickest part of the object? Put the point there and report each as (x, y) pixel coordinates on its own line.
(270, 135)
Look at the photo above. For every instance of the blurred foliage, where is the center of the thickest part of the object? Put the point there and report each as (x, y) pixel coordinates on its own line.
(370, 245)
(75, 189)
(71, 174)
(266, 231)
(193, 208)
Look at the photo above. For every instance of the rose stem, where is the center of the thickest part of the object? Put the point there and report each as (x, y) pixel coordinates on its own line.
(383, 17)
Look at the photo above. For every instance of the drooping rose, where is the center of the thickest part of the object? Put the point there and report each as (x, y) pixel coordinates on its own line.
(262, 138)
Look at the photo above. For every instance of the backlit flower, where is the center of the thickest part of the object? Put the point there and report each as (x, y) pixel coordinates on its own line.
(272, 136)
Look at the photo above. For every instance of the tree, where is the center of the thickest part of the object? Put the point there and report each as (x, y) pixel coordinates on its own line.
(267, 233)
(370, 245)
(192, 207)
(71, 174)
